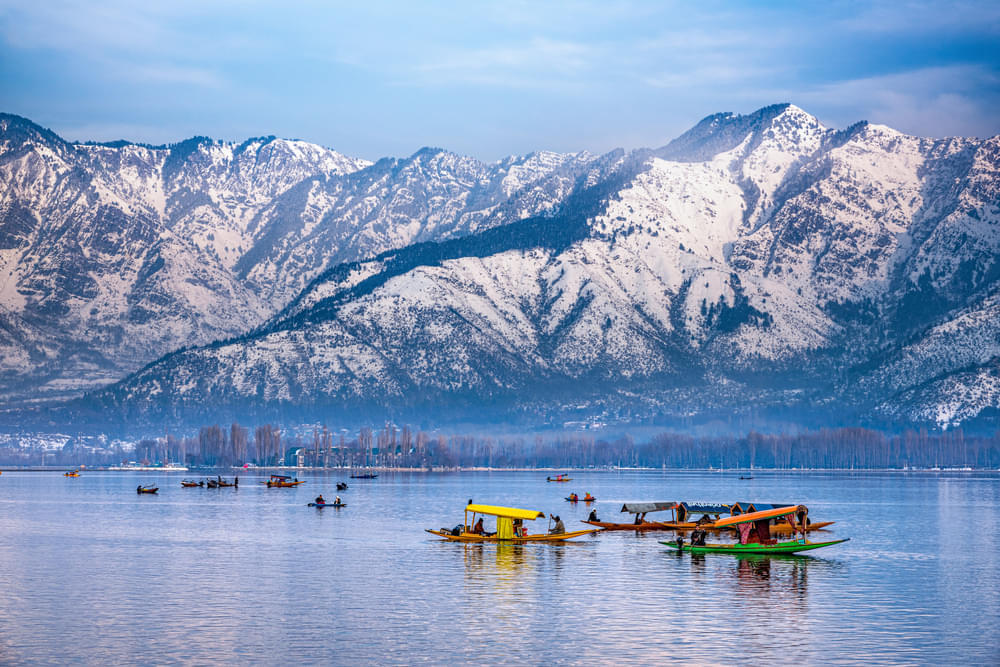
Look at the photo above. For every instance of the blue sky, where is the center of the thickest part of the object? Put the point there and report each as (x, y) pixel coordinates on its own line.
(490, 79)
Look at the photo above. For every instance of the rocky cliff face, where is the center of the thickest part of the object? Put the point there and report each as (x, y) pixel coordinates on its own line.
(759, 264)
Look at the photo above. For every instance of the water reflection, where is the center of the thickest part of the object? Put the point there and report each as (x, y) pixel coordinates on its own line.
(93, 573)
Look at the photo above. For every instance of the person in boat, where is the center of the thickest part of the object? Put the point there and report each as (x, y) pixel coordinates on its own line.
(703, 520)
(518, 528)
(319, 500)
(337, 501)
(559, 528)
(236, 481)
(587, 496)
(138, 489)
(593, 516)
(478, 528)
(574, 497)
(640, 519)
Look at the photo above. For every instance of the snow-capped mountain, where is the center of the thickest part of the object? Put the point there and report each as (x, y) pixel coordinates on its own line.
(112, 255)
(756, 264)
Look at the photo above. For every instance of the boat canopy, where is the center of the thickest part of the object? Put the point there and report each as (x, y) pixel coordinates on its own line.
(744, 507)
(642, 508)
(706, 508)
(758, 516)
(509, 512)
(280, 477)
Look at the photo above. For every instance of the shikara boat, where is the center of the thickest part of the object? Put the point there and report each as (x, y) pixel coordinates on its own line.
(507, 530)
(189, 483)
(365, 475)
(754, 534)
(149, 488)
(712, 513)
(72, 473)
(640, 510)
(559, 478)
(573, 498)
(282, 481)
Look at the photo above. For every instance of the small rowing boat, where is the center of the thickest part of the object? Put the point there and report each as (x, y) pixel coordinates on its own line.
(559, 478)
(510, 527)
(282, 482)
(149, 488)
(190, 483)
(322, 505)
(573, 498)
(365, 475)
(754, 534)
(72, 473)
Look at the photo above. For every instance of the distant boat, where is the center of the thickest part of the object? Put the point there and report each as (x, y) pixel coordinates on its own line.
(341, 486)
(282, 481)
(72, 473)
(149, 488)
(559, 478)
(365, 475)
(322, 505)
(188, 483)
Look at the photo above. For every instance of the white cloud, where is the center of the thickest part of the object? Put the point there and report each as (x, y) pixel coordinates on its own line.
(937, 101)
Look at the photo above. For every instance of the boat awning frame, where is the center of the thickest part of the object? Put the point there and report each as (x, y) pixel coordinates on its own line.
(642, 508)
(706, 508)
(509, 512)
(759, 516)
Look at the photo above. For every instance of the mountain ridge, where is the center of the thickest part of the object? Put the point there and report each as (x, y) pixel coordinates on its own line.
(756, 263)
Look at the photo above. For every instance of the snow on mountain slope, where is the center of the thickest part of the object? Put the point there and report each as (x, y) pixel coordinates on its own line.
(753, 261)
(129, 251)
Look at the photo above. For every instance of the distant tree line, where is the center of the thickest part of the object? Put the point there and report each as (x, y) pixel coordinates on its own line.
(392, 446)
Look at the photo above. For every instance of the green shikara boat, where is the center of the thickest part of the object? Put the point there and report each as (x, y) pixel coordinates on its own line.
(755, 537)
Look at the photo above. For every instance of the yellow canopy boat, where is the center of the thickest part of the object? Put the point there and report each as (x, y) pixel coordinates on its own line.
(507, 529)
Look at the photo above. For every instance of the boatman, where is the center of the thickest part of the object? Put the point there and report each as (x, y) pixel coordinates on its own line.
(319, 500)
(559, 528)
(593, 516)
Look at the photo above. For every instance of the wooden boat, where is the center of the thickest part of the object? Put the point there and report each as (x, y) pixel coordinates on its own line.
(640, 510)
(754, 534)
(149, 488)
(322, 505)
(282, 481)
(72, 473)
(577, 499)
(365, 475)
(189, 483)
(711, 514)
(559, 478)
(507, 531)
(341, 486)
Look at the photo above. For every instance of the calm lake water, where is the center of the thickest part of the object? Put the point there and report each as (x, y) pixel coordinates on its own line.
(91, 572)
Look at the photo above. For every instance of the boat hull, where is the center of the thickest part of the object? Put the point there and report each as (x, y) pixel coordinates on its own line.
(741, 549)
(647, 525)
(322, 505)
(780, 529)
(471, 537)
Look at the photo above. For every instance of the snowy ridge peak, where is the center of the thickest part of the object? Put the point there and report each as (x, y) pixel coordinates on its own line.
(758, 262)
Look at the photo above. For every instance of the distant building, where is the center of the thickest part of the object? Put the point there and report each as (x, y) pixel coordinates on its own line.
(296, 457)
